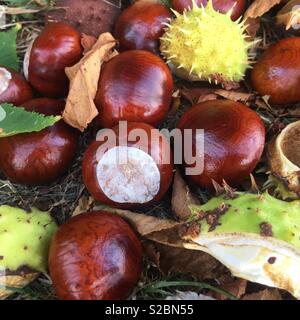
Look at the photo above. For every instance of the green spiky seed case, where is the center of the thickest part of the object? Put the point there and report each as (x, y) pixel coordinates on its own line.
(206, 44)
(249, 213)
(24, 238)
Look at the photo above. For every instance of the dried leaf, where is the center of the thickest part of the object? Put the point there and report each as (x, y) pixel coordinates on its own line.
(179, 260)
(87, 42)
(236, 286)
(148, 226)
(253, 25)
(235, 95)
(182, 197)
(84, 76)
(259, 8)
(84, 204)
(197, 95)
(289, 15)
(207, 97)
(10, 282)
(267, 294)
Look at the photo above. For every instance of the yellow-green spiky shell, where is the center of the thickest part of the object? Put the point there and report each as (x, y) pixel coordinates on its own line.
(206, 44)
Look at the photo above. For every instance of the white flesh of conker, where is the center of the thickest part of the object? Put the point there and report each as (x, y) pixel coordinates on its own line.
(5, 77)
(128, 175)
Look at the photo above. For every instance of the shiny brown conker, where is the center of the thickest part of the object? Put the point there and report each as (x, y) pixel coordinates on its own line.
(39, 157)
(277, 72)
(95, 256)
(141, 25)
(57, 47)
(135, 86)
(142, 179)
(234, 137)
(13, 87)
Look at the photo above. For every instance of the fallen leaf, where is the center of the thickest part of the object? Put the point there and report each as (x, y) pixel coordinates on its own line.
(84, 204)
(236, 286)
(182, 197)
(197, 95)
(179, 260)
(235, 95)
(289, 15)
(80, 108)
(259, 8)
(252, 27)
(193, 94)
(267, 294)
(87, 42)
(254, 12)
(207, 97)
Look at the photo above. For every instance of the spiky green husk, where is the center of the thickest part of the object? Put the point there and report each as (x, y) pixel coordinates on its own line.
(207, 44)
(24, 238)
(279, 189)
(247, 212)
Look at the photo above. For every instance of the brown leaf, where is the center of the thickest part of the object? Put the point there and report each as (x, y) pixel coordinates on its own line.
(235, 286)
(193, 94)
(80, 108)
(84, 204)
(289, 15)
(259, 8)
(182, 197)
(197, 95)
(235, 95)
(253, 25)
(267, 294)
(148, 226)
(87, 42)
(179, 260)
(207, 97)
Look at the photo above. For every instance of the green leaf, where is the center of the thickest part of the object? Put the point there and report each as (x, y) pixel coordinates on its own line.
(8, 48)
(15, 120)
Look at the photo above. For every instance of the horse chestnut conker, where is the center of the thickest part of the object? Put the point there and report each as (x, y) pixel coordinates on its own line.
(141, 179)
(39, 157)
(57, 47)
(13, 87)
(95, 256)
(141, 25)
(223, 6)
(134, 86)
(277, 72)
(234, 137)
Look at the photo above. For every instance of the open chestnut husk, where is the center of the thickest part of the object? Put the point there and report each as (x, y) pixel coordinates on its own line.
(133, 171)
(57, 47)
(238, 7)
(284, 157)
(141, 25)
(277, 72)
(39, 157)
(234, 137)
(95, 256)
(13, 87)
(134, 86)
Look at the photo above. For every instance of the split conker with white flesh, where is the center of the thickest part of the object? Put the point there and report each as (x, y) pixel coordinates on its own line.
(141, 25)
(95, 256)
(13, 87)
(57, 47)
(234, 137)
(135, 170)
(238, 7)
(277, 72)
(134, 86)
(39, 157)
